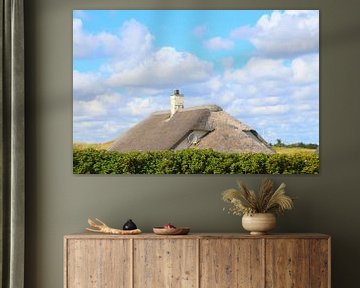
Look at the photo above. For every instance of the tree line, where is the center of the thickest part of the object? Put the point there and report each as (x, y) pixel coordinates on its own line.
(279, 143)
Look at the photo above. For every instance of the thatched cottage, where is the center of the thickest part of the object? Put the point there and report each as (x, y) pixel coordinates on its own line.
(202, 127)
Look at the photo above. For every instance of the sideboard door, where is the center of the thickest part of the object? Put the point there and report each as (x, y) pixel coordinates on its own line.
(99, 263)
(297, 263)
(287, 263)
(231, 263)
(165, 263)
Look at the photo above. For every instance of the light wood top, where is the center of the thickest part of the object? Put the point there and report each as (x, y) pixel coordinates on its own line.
(86, 235)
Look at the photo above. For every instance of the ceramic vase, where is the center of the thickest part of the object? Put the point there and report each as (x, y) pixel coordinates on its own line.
(259, 223)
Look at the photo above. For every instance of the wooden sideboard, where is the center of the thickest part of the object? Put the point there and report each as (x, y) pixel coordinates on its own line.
(197, 260)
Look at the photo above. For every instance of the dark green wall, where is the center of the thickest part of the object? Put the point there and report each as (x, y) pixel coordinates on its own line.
(58, 202)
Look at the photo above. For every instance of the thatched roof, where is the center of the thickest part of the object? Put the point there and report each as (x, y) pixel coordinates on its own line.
(231, 135)
(162, 132)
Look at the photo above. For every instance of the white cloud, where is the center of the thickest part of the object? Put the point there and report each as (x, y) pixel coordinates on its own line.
(143, 67)
(289, 33)
(228, 97)
(280, 34)
(132, 34)
(111, 127)
(260, 69)
(228, 62)
(219, 43)
(277, 98)
(99, 106)
(109, 44)
(306, 68)
(96, 131)
(271, 100)
(139, 105)
(269, 110)
(304, 107)
(89, 108)
(84, 44)
(214, 83)
(165, 68)
(87, 85)
(98, 119)
(247, 109)
(305, 92)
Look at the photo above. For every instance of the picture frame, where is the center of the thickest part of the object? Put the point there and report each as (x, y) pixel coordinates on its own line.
(247, 66)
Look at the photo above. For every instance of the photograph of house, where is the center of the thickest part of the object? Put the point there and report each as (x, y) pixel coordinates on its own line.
(213, 81)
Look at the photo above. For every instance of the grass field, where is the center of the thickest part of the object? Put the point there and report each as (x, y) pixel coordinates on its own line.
(279, 150)
(293, 150)
(96, 146)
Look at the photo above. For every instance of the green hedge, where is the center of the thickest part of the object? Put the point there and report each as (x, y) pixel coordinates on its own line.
(191, 161)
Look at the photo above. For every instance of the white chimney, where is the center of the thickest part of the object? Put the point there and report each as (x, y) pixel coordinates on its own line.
(176, 102)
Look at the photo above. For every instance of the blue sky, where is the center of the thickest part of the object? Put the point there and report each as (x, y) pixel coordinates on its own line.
(260, 66)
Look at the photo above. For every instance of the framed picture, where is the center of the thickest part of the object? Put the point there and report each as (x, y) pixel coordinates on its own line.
(195, 92)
